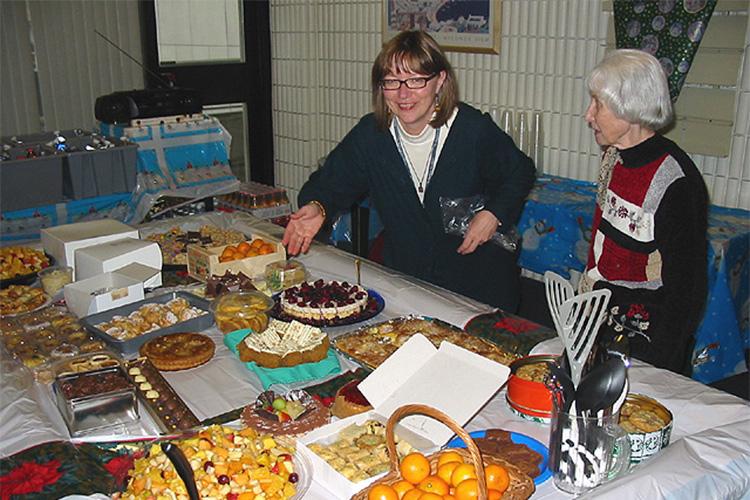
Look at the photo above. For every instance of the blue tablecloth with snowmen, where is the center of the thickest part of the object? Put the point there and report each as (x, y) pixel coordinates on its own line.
(556, 231)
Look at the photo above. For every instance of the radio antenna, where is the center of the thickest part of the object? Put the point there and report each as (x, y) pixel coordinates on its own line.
(152, 73)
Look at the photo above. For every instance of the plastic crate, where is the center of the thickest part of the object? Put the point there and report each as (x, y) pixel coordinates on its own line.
(27, 182)
(98, 172)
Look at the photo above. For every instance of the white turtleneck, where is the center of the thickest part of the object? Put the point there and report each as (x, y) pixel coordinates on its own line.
(418, 147)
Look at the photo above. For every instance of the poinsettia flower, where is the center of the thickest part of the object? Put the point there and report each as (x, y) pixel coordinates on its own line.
(119, 467)
(29, 477)
(515, 325)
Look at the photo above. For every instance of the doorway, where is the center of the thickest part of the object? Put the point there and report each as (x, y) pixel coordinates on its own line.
(223, 50)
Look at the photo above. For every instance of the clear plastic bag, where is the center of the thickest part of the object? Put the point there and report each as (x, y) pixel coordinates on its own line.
(458, 212)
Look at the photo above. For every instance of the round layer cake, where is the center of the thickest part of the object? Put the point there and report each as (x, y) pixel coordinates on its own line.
(324, 300)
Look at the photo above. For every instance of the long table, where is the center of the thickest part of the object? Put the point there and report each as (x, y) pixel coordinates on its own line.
(709, 456)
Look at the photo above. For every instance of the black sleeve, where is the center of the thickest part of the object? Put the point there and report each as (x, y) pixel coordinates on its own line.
(342, 179)
(680, 231)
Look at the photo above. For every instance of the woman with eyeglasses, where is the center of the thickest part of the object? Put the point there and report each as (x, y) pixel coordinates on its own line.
(419, 144)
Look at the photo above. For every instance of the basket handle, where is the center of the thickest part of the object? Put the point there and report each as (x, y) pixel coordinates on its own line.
(418, 409)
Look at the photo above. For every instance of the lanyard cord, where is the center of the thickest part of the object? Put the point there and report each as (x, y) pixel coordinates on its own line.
(430, 160)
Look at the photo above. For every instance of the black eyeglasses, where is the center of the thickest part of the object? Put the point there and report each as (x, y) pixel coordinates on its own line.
(419, 82)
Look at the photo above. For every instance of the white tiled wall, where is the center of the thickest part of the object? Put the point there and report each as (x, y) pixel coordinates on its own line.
(322, 52)
(198, 30)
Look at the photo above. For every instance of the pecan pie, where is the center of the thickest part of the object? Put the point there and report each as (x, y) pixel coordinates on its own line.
(178, 351)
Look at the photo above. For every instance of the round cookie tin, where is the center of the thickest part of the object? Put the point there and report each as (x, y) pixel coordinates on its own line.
(531, 399)
(645, 444)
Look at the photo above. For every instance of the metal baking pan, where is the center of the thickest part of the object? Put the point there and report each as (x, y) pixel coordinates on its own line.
(131, 346)
(108, 408)
(392, 321)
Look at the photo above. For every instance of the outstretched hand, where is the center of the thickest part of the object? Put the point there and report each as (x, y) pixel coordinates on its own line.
(481, 228)
(303, 225)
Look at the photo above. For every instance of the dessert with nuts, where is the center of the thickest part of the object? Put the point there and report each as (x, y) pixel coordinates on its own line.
(284, 344)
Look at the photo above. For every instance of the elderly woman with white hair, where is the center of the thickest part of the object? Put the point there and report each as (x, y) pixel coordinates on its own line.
(648, 241)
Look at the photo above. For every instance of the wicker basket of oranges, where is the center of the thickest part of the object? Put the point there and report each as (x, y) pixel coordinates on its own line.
(455, 473)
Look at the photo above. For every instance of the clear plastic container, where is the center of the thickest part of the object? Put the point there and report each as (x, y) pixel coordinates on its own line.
(240, 310)
(55, 277)
(284, 274)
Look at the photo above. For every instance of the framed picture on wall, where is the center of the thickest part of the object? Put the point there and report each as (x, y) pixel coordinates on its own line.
(457, 25)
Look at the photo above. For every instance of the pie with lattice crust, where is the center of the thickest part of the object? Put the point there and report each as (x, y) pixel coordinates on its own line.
(178, 351)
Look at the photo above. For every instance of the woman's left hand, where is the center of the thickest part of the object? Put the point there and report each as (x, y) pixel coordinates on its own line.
(481, 228)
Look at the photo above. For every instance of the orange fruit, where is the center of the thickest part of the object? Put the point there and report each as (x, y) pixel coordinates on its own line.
(431, 496)
(467, 490)
(448, 457)
(449, 497)
(266, 249)
(433, 484)
(382, 492)
(462, 473)
(401, 487)
(494, 495)
(228, 251)
(414, 467)
(413, 494)
(257, 243)
(497, 477)
(445, 471)
(243, 247)
(252, 253)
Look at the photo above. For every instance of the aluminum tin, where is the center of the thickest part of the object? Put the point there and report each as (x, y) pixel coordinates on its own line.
(529, 398)
(392, 321)
(97, 411)
(131, 346)
(644, 445)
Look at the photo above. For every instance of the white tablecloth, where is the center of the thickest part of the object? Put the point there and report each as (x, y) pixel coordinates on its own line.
(709, 454)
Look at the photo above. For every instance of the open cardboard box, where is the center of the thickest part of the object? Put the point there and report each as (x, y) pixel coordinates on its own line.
(204, 262)
(113, 255)
(451, 379)
(107, 291)
(61, 242)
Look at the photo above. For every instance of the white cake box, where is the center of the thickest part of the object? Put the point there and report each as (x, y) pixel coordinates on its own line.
(107, 291)
(61, 242)
(451, 379)
(113, 255)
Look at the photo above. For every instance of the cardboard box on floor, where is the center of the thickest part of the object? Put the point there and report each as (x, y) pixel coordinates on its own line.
(454, 380)
(61, 242)
(113, 255)
(107, 291)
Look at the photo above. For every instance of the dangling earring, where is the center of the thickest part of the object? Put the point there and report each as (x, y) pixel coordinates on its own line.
(437, 103)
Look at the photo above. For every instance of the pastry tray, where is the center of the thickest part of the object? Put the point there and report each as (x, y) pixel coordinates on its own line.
(166, 407)
(131, 346)
(506, 357)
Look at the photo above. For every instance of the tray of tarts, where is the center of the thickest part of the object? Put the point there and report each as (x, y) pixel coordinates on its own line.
(371, 345)
(453, 473)
(21, 299)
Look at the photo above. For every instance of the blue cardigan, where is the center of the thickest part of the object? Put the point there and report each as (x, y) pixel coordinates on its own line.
(477, 158)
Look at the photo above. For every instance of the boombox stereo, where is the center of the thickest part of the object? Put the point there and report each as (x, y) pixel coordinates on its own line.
(122, 107)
